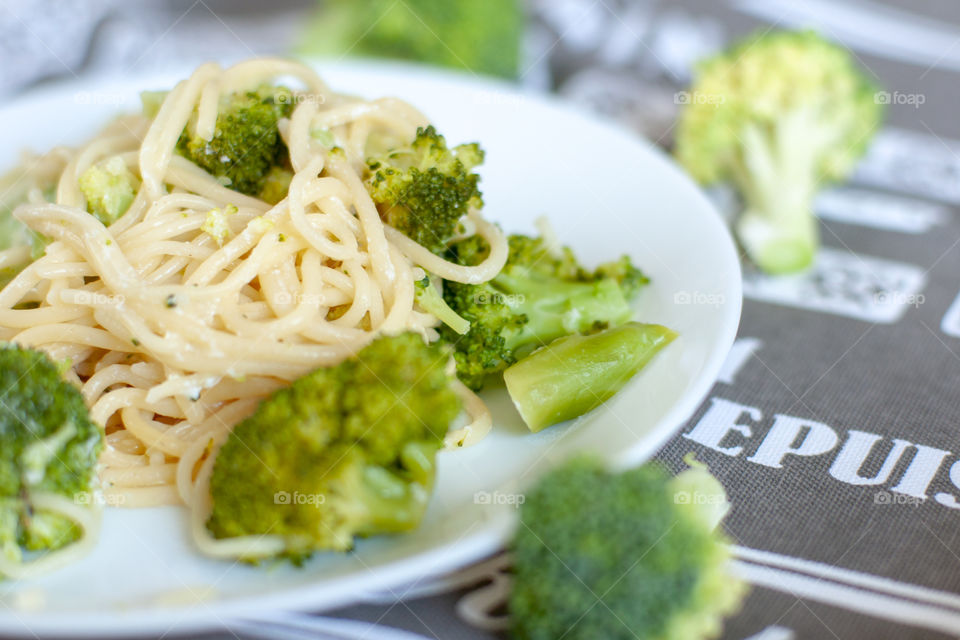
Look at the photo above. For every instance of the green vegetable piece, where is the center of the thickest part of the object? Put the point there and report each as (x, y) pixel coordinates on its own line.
(276, 185)
(14, 188)
(246, 143)
(48, 530)
(49, 445)
(779, 115)
(109, 188)
(425, 188)
(539, 296)
(345, 451)
(620, 556)
(430, 300)
(217, 223)
(478, 36)
(575, 374)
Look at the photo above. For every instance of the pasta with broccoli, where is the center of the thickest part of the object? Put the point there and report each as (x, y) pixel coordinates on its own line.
(223, 275)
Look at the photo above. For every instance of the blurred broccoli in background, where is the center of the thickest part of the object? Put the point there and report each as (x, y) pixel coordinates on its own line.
(483, 36)
(48, 446)
(778, 115)
(246, 147)
(345, 451)
(622, 556)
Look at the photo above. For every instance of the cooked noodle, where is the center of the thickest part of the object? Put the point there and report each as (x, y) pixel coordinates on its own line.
(175, 339)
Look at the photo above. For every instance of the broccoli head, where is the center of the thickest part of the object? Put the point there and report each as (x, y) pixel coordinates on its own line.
(605, 555)
(345, 451)
(538, 296)
(49, 446)
(483, 37)
(424, 189)
(777, 115)
(109, 188)
(625, 273)
(246, 143)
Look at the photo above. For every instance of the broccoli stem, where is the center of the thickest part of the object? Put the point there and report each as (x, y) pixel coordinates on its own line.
(555, 308)
(778, 179)
(430, 300)
(779, 248)
(577, 373)
(395, 499)
(697, 480)
(10, 530)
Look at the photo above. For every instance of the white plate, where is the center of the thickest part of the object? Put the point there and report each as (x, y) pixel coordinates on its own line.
(606, 192)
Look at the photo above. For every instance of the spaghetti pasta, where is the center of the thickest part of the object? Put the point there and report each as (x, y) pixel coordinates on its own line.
(175, 337)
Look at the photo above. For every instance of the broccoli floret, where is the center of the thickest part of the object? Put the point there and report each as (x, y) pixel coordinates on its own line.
(345, 451)
(563, 263)
(246, 143)
(482, 37)
(778, 115)
(109, 188)
(537, 298)
(628, 276)
(425, 188)
(621, 556)
(48, 445)
(48, 530)
(575, 374)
